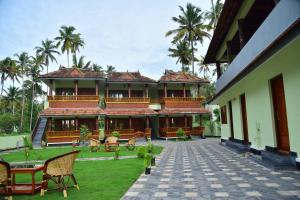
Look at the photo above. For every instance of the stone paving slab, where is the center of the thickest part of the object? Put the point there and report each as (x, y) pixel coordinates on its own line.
(204, 169)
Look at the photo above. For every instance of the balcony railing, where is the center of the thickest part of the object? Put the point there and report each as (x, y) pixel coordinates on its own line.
(73, 98)
(127, 100)
(172, 99)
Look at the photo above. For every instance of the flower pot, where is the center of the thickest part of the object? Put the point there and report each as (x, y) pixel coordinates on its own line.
(147, 170)
(153, 162)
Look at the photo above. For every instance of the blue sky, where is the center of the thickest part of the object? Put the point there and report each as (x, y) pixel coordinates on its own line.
(129, 34)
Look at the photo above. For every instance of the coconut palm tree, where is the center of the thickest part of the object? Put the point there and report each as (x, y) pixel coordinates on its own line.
(183, 53)
(23, 62)
(96, 68)
(3, 71)
(13, 71)
(80, 62)
(110, 69)
(66, 40)
(214, 13)
(47, 51)
(204, 68)
(192, 27)
(33, 72)
(77, 43)
(12, 97)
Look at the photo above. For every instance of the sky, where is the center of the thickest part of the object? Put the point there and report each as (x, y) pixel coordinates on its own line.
(128, 34)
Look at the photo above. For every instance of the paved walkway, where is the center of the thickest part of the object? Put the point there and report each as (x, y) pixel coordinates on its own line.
(203, 169)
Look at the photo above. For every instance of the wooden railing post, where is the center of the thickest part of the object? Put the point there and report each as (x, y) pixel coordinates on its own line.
(51, 87)
(107, 90)
(165, 89)
(184, 93)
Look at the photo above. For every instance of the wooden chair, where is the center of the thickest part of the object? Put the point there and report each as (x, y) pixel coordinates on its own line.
(111, 143)
(131, 144)
(5, 180)
(94, 145)
(57, 169)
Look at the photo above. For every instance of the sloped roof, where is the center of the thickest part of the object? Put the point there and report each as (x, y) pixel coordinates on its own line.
(72, 111)
(128, 77)
(174, 111)
(184, 77)
(130, 112)
(73, 72)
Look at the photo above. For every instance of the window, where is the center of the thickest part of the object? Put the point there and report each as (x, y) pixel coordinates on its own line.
(223, 115)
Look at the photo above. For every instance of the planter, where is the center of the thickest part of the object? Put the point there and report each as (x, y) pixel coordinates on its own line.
(147, 170)
(153, 162)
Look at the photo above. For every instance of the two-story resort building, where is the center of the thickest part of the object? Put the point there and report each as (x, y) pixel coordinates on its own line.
(127, 102)
(258, 92)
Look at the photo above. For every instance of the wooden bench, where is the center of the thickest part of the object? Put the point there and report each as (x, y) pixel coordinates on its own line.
(125, 134)
(170, 132)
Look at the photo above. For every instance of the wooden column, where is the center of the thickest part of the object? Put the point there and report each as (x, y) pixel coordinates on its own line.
(129, 90)
(107, 124)
(184, 92)
(167, 121)
(130, 123)
(147, 90)
(198, 90)
(147, 122)
(50, 124)
(76, 87)
(107, 90)
(219, 73)
(241, 33)
(185, 121)
(76, 123)
(229, 51)
(51, 87)
(165, 89)
(97, 88)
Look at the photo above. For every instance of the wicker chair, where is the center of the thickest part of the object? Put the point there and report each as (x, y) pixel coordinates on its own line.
(94, 145)
(111, 143)
(56, 169)
(5, 180)
(131, 144)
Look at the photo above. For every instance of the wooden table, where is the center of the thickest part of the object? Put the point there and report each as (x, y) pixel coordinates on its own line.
(26, 188)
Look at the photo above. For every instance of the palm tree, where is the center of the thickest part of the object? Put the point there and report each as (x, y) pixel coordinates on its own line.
(13, 96)
(33, 72)
(183, 53)
(66, 40)
(110, 69)
(4, 71)
(191, 27)
(96, 68)
(13, 71)
(80, 63)
(214, 13)
(23, 62)
(77, 42)
(203, 68)
(47, 51)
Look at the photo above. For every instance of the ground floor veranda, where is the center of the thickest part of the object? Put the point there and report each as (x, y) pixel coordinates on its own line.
(67, 128)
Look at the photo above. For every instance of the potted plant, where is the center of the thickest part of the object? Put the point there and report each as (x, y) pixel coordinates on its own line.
(141, 152)
(150, 149)
(147, 162)
(180, 133)
(115, 134)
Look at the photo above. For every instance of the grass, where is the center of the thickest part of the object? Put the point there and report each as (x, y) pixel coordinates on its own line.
(44, 154)
(12, 134)
(109, 180)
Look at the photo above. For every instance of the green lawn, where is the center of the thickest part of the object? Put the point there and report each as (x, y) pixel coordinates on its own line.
(44, 154)
(109, 180)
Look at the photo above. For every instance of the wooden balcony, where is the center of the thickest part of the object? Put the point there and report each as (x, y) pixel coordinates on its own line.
(80, 101)
(127, 102)
(182, 102)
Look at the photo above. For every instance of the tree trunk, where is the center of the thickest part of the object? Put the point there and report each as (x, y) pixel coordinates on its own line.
(13, 102)
(192, 45)
(23, 102)
(31, 106)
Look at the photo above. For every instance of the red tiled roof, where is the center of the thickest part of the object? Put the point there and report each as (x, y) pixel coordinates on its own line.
(128, 77)
(171, 76)
(130, 112)
(73, 72)
(71, 111)
(169, 111)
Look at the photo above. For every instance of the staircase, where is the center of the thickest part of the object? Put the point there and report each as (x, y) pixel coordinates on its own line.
(38, 132)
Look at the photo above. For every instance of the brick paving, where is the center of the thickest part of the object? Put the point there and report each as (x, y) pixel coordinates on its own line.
(204, 169)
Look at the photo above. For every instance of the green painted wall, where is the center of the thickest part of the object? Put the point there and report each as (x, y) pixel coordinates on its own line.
(256, 87)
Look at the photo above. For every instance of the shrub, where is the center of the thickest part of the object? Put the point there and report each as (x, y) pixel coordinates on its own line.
(117, 153)
(141, 152)
(180, 133)
(7, 122)
(149, 147)
(147, 159)
(84, 131)
(27, 142)
(115, 134)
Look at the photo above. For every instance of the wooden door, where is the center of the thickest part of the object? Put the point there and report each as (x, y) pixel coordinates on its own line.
(244, 118)
(231, 120)
(280, 116)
